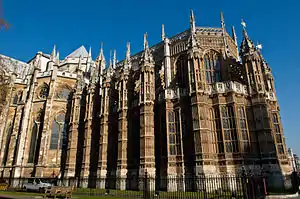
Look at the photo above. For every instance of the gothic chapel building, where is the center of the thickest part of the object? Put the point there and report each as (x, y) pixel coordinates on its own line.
(191, 104)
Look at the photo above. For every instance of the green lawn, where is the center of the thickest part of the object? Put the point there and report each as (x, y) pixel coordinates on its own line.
(28, 194)
(88, 194)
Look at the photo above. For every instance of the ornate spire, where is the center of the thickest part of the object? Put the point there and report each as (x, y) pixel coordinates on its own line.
(192, 41)
(109, 71)
(127, 58)
(101, 55)
(234, 35)
(128, 51)
(53, 54)
(163, 35)
(57, 57)
(115, 59)
(227, 52)
(146, 41)
(222, 21)
(236, 43)
(147, 56)
(192, 22)
(110, 59)
(90, 52)
(245, 34)
(247, 44)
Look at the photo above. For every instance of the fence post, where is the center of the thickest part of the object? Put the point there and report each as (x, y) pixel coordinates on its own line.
(244, 183)
(146, 191)
(263, 175)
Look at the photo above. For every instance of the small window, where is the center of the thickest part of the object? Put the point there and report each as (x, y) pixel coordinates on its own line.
(15, 100)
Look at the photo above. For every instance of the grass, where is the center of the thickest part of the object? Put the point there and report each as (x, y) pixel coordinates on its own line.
(86, 193)
(40, 194)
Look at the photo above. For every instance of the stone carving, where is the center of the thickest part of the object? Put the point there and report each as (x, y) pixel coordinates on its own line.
(162, 76)
(137, 85)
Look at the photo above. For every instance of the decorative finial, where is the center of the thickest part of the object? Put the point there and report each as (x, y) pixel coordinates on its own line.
(128, 51)
(57, 56)
(259, 46)
(101, 55)
(245, 34)
(222, 21)
(243, 23)
(115, 59)
(53, 54)
(192, 21)
(146, 41)
(127, 58)
(90, 52)
(234, 35)
(163, 36)
(110, 57)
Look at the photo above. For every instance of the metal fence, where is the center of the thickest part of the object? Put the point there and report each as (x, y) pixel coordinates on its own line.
(146, 187)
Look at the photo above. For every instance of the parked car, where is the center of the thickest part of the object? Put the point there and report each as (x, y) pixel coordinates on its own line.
(37, 185)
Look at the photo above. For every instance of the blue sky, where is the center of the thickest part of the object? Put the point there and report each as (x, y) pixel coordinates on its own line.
(38, 25)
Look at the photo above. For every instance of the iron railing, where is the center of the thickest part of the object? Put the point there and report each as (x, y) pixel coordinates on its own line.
(147, 187)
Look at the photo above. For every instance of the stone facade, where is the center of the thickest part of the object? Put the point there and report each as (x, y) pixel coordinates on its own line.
(192, 104)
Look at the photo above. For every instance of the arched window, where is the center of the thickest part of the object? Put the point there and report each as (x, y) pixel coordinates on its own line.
(33, 142)
(64, 93)
(181, 69)
(34, 136)
(8, 137)
(44, 91)
(212, 67)
(229, 127)
(58, 135)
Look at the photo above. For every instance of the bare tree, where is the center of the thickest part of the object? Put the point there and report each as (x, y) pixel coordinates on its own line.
(4, 86)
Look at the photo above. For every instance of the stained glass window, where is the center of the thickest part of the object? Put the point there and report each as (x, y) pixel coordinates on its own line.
(277, 131)
(8, 137)
(181, 68)
(44, 91)
(229, 127)
(174, 132)
(243, 129)
(212, 67)
(219, 130)
(33, 142)
(64, 93)
(58, 134)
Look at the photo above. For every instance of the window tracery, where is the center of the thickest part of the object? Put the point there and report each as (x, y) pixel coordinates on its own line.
(43, 94)
(33, 143)
(212, 67)
(243, 129)
(64, 93)
(174, 132)
(229, 127)
(180, 73)
(219, 130)
(34, 136)
(8, 138)
(277, 131)
(59, 133)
